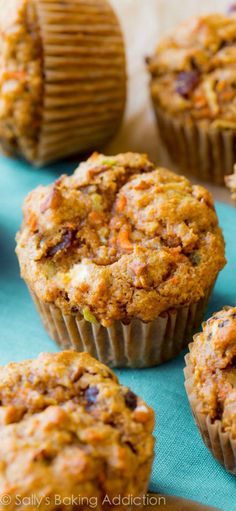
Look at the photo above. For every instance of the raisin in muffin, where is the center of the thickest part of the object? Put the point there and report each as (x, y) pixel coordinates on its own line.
(63, 77)
(211, 385)
(69, 429)
(230, 182)
(120, 258)
(193, 88)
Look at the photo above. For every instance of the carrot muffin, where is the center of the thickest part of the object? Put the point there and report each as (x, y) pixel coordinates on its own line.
(193, 88)
(231, 184)
(211, 385)
(62, 77)
(70, 430)
(120, 258)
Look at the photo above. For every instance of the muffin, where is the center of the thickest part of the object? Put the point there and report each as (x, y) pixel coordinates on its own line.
(69, 429)
(121, 258)
(211, 385)
(230, 182)
(193, 88)
(63, 77)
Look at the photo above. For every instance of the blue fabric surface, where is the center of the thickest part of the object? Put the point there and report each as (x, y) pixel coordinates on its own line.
(183, 466)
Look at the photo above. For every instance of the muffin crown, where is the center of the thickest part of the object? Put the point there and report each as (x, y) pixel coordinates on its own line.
(212, 358)
(64, 417)
(195, 66)
(120, 239)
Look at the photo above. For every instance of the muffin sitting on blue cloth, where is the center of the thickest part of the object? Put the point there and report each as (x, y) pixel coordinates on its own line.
(121, 258)
(211, 385)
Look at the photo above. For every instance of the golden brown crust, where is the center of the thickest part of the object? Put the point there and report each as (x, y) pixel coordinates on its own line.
(195, 67)
(65, 418)
(212, 358)
(120, 239)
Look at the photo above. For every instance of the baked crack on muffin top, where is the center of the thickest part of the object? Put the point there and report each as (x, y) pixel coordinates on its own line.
(194, 70)
(118, 239)
(68, 428)
(213, 359)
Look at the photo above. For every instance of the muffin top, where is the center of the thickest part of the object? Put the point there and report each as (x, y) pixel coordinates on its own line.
(213, 357)
(231, 183)
(196, 67)
(64, 418)
(120, 239)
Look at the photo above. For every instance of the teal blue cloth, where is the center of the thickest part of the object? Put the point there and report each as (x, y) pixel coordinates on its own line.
(183, 466)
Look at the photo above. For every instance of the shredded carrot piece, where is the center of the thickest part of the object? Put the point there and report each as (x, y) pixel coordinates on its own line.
(200, 101)
(123, 239)
(15, 75)
(121, 203)
(142, 185)
(220, 86)
(174, 281)
(32, 221)
(227, 95)
(95, 217)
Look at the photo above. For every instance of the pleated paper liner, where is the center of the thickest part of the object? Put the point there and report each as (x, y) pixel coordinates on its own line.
(138, 344)
(219, 442)
(207, 154)
(84, 76)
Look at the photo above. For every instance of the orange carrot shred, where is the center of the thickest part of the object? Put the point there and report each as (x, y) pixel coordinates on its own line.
(95, 217)
(227, 95)
(15, 75)
(121, 203)
(123, 240)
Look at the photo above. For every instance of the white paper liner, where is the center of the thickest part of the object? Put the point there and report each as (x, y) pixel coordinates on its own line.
(208, 154)
(138, 344)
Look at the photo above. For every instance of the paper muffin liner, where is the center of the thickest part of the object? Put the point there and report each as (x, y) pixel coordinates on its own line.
(137, 344)
(219, 442)
(84, 76)
(207, 154)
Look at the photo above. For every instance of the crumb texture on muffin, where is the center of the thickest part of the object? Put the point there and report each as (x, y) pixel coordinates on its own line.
(213, 361)
(120, 239)
(195, 67)
(68, 428)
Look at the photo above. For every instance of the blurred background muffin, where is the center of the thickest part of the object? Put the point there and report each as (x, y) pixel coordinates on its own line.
(211, 385)
(231, 184)
(121, 258)
(63, 77)
(193, 89)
